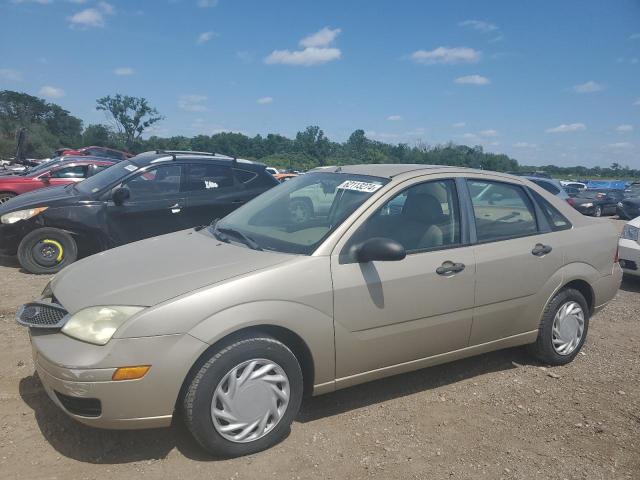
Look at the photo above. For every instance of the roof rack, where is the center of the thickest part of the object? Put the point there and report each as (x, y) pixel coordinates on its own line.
(186, 152)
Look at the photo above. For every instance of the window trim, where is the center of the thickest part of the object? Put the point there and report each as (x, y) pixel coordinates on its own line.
(345, 257)
(474, 232)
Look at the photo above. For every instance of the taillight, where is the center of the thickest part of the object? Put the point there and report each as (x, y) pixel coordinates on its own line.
(571, 202)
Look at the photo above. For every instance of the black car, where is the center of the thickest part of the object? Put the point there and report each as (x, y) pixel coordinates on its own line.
(150, 194)
(629, 207)
(597, 202)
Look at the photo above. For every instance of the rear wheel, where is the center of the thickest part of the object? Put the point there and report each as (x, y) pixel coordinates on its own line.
(244, 398)
(47, 250)
(301, 210)
(597, 212)
(563, 329)
(6, 196)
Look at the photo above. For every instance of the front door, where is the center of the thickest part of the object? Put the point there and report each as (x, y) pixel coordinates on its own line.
(387, 313)
(155, 206)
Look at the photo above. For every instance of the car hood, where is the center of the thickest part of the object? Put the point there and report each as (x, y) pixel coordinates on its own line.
(43, 197)
(151, 271)
(635, 201)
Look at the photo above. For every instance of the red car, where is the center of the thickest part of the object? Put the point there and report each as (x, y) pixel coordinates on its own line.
(50, 174)
(102, 152)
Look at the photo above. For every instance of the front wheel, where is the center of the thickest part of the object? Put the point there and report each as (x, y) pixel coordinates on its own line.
(47, 250)
(244, 397)
(598, 211)
(563, 329)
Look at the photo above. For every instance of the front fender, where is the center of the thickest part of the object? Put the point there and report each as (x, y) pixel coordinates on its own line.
(314, 327)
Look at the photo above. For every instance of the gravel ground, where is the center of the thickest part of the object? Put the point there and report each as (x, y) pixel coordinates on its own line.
(499, 415)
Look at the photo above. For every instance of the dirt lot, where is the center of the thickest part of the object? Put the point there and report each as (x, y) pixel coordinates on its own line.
(495, 416)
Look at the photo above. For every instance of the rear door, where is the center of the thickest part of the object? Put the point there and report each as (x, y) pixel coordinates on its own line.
(212, 191)
(517, 257)
(155, 205)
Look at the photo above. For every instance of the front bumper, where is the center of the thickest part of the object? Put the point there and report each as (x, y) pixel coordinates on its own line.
(11, 235)
(77, 377)
(585, 210)
(629, 255)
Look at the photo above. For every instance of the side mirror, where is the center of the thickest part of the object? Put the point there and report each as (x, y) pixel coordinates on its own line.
(381, 249)
(45, 177)
(120, 195)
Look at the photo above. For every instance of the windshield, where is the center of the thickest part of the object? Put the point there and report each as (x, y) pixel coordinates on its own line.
(33, 171)
(296, 216)
(106, 177)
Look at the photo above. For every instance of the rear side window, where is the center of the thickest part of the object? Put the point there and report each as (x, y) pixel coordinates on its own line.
(203, 177)
(548, 186)
(554, 217)
(501, 210)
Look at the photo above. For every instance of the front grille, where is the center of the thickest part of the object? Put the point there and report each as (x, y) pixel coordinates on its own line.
(41, 315)
(84, 407)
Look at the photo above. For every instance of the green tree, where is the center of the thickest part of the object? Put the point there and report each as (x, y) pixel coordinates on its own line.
(100, 135)
(130, 116)
(313, 143)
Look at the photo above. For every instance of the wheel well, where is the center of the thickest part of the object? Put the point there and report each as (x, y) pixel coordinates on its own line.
(292, 340)
(585, 289)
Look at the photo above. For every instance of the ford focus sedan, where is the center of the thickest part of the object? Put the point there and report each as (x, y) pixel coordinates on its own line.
(409, 266)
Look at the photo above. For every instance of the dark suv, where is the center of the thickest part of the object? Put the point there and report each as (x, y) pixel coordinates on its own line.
(151, 194)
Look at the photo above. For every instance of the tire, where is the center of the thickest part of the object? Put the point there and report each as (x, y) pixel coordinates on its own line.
(245, 409)
(543, 349)
(597, 212)
(47, 250)
(6, 196)
(301, 210)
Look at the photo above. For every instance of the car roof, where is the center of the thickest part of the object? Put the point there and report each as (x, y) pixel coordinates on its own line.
(158, 156)
(385, 170)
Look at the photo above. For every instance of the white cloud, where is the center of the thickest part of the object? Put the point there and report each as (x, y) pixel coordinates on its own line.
(207, 3)
(446, 55)
(192, 103)
(459, 124)
(321, 38)
(51, 92)
(571, 127)
(620, 146)
(10, 75)
(489, 133)
(316, 50)
(624, 128)
(470, 136)
(106, 8)
(636, 103)
(265, 100)
(634, 36)
(479, 25)
(204, 37)
(307, 57)
(525, 145)
(87, 18)
(588, 87)
(394, 118)
(472, 80)
(124, 71)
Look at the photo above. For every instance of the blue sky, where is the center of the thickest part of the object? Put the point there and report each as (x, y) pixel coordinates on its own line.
(547, 82)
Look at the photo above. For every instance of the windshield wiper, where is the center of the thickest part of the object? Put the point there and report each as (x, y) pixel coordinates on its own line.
(226, 231)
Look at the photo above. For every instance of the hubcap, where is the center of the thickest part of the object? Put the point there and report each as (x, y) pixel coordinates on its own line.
(250, 400)
(299, 213)
(47, 252)
(568, 328)
(5, 198)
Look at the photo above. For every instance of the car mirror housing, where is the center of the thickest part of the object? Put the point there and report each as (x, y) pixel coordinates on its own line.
(381, 249)
(45, 177)
(120, 195)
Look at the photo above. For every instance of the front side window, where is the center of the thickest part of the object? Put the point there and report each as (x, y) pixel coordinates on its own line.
(296, 216)
(155, 182)
(79, 171)
(501, 210)
(423, 217)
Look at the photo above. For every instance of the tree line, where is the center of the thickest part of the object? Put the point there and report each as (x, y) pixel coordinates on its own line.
(50, 127)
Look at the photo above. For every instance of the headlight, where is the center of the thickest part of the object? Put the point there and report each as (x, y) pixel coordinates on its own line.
(14, 217)
(629, 232)
(98, 324)
(588, 205)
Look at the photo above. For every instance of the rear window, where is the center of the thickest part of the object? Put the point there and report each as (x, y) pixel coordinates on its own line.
(556, 220)
(548, 186)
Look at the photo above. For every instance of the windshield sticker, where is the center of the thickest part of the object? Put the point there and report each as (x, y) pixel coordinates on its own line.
(356, 186)
(131, 168)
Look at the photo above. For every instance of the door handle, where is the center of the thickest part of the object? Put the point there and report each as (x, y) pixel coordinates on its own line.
(176, 208)
(539, 250)
(448, 268)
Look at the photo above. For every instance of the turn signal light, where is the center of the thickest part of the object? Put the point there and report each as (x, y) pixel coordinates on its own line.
(130, 373)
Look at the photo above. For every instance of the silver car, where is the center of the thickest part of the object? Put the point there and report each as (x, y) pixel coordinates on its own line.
(232, 324)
